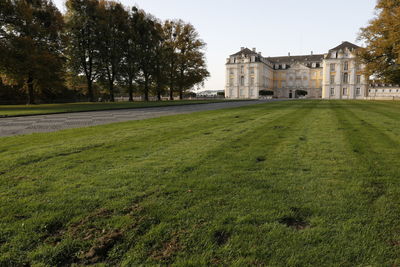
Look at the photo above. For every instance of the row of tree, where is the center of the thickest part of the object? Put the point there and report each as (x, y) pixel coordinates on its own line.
(102, 41)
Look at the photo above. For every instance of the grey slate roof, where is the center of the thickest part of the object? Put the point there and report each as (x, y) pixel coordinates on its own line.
(288, 59)
(245, 51)
(344, 45)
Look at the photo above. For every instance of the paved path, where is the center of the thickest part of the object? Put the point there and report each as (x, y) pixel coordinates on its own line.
(55, 122)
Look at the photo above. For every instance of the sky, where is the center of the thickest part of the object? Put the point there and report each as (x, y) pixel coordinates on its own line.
(273, 27)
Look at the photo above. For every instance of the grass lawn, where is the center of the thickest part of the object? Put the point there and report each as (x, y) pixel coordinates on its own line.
(291, 183)
(21, 110)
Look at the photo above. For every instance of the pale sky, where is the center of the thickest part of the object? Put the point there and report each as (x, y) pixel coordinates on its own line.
(274, 27)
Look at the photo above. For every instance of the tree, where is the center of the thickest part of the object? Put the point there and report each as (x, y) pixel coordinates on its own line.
(191, 65)
(129, 66)
(83, 40)
(160, 70)
(170, 29)
(31, 43)
(112, 28)
(381, 55)
(147, 40)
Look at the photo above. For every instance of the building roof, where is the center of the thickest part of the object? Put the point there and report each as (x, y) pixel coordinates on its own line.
(344, 45)
(287, 59)
(245, 51)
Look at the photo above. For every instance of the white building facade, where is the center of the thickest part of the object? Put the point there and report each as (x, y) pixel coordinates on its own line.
(335, 75)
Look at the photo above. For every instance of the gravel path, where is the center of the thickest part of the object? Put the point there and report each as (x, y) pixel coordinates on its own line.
(55, 122)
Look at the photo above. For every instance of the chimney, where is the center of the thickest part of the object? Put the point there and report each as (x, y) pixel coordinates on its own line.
(288, 54)
(254, 49)
(312, 52)
(242, 48)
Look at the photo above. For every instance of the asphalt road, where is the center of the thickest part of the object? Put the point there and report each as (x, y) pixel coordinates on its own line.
(54, 122)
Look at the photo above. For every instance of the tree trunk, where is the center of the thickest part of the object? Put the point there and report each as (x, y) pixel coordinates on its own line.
(90, 89)
(130, 89)
(29, 83)
(180, 92)
(146, 89)
(111, 88)
(171, 92)
(159, 95)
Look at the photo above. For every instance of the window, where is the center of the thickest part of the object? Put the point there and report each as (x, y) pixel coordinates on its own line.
(345, 77)
(358, 79)
(241, 92)
(358, 91)
(332, 66)
(317, 65)
(332, 92)
(242, 69)
(252, 70)
(252, 81)
(242, 80)
(231, 71)
(346, 65)
(231, 81)
(251, 92)
(332, 79)
(231, 92)
(344, 91)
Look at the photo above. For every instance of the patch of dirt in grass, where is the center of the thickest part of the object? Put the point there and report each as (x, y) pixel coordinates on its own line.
(303, 138)
(207, 133)
(260, 159)
(293, 222)
(168, 249)
(101, 246)
(298, 220)
(221, 237)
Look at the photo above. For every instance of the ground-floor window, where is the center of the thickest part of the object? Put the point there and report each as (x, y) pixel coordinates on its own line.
(231, 93)
(358, 91)
(344, 91)
(251, 91)
(332, 91)
(241, 92)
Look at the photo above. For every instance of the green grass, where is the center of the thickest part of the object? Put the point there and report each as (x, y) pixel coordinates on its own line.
(295, 183)
(23, 110)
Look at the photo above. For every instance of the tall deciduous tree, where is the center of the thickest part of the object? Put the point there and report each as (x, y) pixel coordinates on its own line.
(382, 38)
(31, 43)
(112, 29)
(170, 29)
(129, 66)
(191, 67)
(147, 40)
(82, 20)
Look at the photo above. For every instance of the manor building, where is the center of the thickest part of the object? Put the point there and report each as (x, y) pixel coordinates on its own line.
(334, 75)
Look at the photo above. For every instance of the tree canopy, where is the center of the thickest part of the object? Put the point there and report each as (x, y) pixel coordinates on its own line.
(31, 43)
(381, 55)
